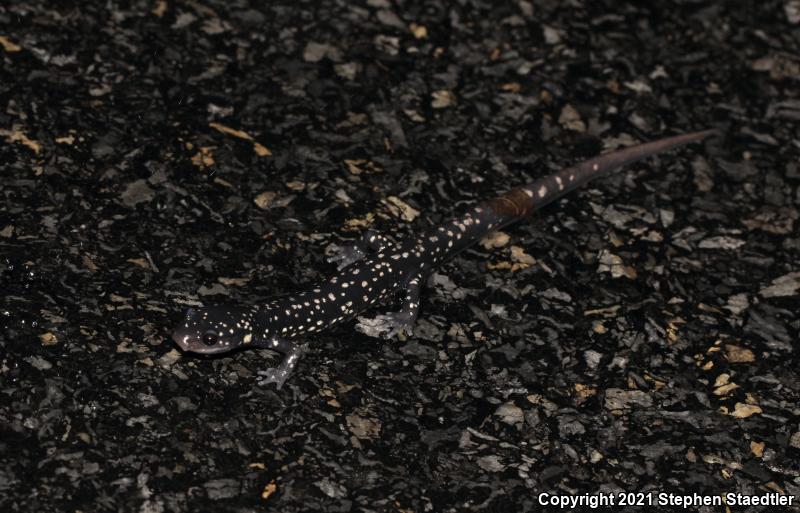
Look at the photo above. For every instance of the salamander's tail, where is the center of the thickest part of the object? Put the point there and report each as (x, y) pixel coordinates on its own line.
(524, 200)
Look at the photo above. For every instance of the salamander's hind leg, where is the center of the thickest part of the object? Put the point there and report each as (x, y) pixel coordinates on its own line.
(352, 253)
(388, 325)
(291, 355)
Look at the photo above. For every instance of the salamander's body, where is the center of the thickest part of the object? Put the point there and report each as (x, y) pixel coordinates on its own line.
(375, 269)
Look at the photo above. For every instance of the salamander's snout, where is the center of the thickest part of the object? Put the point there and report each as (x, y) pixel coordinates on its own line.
(186, 332)
(182, 337)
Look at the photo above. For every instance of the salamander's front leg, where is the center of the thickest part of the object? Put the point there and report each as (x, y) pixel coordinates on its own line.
(291, 355)
(352, 253)
(388, 325)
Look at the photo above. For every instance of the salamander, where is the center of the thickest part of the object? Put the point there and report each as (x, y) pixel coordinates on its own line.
(375, 269)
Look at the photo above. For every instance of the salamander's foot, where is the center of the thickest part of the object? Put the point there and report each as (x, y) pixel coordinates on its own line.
(274, 375)
(279, 374)
(347, 255)
(387, 325)
(352, 253)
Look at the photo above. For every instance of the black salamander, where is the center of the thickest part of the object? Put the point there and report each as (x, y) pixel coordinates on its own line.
(375, 269)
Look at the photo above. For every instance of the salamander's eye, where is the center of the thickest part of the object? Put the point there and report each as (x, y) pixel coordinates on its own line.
(210, 338)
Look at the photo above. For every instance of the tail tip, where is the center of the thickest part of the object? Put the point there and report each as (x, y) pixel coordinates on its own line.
(709, 132)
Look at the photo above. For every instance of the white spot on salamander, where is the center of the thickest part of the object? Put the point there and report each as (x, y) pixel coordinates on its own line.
(542, 191)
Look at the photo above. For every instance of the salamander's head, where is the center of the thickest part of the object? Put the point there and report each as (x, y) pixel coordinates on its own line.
(213, 330)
